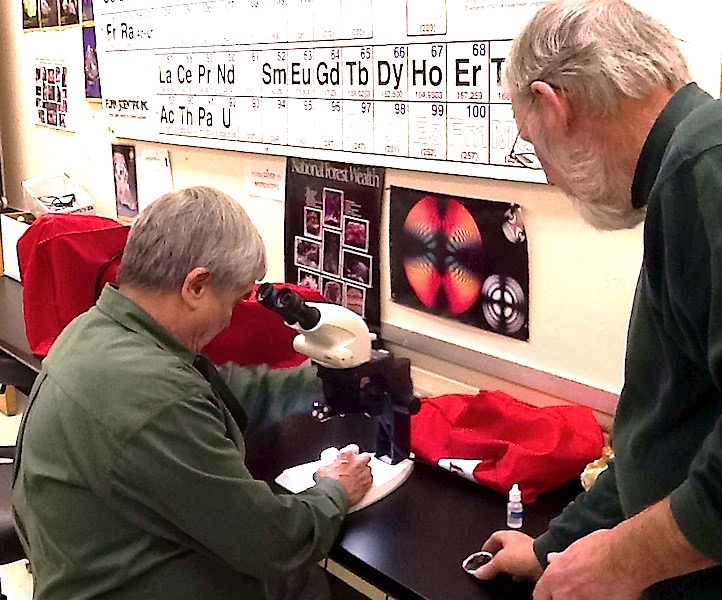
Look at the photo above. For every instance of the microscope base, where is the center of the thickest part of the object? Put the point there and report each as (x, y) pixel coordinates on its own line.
(386, 478)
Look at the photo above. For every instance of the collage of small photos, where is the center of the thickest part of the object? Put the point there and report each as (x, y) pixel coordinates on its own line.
(51, 74)
(332, 255)
(332, 236)
(51, 93)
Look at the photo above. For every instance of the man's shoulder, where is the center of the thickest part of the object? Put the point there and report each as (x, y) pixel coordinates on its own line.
(119, 378)
(700, 130)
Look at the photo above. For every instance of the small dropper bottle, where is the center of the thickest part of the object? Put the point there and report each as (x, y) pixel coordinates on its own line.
(514, 508)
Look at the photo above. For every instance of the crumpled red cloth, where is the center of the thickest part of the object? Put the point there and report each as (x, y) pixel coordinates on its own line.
(540, 448)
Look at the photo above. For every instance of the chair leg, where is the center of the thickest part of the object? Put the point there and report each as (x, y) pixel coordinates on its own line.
(8, 402)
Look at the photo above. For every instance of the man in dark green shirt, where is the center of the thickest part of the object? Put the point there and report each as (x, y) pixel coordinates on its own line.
(603, 93)
(130, 478)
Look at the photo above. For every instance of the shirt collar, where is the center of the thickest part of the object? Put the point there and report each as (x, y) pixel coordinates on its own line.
(131, 315)
(677, 109)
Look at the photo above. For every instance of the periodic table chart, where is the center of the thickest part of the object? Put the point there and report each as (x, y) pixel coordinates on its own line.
(407, 84)
(412, 84)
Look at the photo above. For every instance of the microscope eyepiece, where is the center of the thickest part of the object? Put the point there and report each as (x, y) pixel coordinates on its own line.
(287, 299)
(289, 305)
(265, 293)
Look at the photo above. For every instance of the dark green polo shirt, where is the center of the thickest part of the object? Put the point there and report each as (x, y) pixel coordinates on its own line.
(668, 426)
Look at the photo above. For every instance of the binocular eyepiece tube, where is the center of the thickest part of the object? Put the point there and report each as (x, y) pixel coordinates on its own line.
(289, 305)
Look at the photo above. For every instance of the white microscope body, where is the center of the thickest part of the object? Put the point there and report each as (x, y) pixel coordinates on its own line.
(340, 339)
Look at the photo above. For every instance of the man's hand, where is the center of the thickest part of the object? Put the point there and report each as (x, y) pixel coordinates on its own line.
(513, 555)
(586, 571)
(352, 470)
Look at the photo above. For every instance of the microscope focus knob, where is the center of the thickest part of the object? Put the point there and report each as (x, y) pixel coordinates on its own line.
(320, 411)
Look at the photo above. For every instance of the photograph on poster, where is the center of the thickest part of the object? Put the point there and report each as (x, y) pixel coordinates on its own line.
(312, 222)
(30, 14)
(355, 299)
(331, 250)
(90, 64)
(332, 290)
(356, 233)
(49, 13)
(332, 207)
(460, 258)
(309, 280)
(126, 184)
(69, 13)
(87, 7)
(357, 267)
(307, 253)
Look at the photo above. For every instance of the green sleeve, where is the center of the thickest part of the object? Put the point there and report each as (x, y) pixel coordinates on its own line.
(599, 508)
(697, 501)
(271, 395)
(182, 479)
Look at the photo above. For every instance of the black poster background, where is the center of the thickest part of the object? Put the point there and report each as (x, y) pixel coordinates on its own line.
(484, 264)
(333, 215)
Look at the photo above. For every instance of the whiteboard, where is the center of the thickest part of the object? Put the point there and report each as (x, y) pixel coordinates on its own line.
(409, 84)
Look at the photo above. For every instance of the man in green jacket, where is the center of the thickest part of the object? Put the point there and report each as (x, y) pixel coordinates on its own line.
(130, 479)
(603, 93)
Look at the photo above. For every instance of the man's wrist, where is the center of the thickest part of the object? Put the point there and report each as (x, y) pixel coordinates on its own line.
(650, 547)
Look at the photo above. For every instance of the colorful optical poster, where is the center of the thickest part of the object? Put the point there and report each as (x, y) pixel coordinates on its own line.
(461, 258)
(333, 216)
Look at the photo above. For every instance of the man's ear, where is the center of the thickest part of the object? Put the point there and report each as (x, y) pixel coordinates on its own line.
(195, 285)
(554, 108)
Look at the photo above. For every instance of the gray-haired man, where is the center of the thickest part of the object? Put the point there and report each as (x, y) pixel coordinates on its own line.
(602, 92)
(130, 479)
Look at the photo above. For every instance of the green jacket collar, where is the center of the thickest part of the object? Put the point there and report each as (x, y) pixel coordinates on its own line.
(678, 108)
(122, 309)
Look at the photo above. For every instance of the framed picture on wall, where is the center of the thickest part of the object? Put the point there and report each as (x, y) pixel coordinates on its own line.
(49, 13)
(51, 93)
(126, 185)
(30, 14)
(462, 259)
(69, 12)
(87, 10)
(90, 64)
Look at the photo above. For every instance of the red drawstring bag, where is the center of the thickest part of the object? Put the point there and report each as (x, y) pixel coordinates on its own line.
(259, 336)
(496, 440)
(65, 259)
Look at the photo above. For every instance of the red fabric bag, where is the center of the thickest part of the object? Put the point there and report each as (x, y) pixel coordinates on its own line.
(64, 262)
(259, 336)
(540, 448)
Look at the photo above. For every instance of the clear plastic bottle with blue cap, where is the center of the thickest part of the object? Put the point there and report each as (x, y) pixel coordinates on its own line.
(514, 508)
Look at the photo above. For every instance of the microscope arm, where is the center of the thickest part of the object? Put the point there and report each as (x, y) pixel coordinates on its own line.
(356, 379)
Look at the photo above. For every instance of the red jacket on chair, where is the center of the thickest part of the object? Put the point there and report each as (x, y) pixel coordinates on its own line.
(65, 260)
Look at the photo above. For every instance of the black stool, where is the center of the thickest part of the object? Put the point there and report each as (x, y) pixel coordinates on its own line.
(10, 547)
(15, 373)
(12, 372)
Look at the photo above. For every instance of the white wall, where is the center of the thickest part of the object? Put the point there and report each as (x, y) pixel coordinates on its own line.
(581, 280)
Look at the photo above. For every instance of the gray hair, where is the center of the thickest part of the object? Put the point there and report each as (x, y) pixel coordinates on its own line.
(597, 51)
(194, 227)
